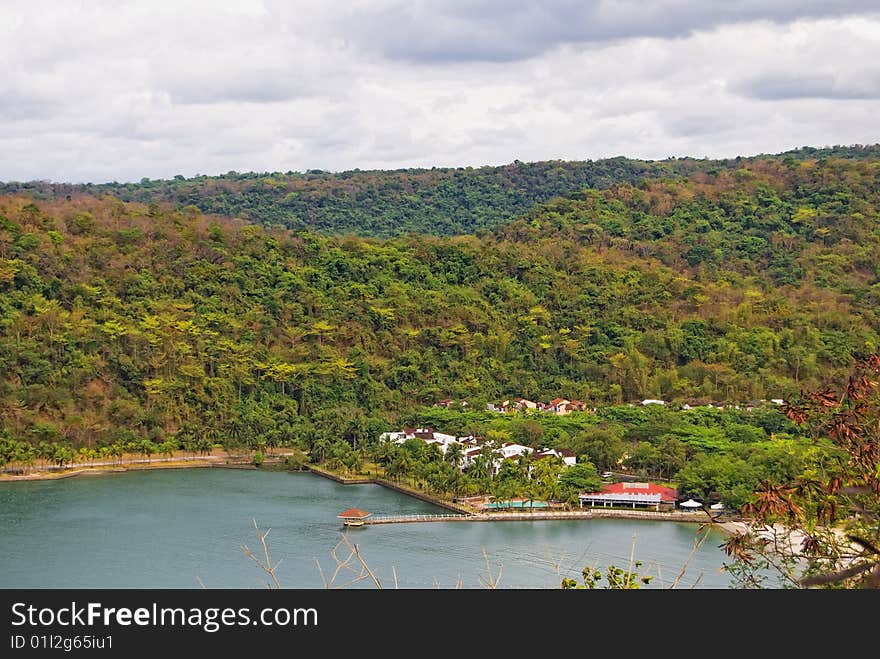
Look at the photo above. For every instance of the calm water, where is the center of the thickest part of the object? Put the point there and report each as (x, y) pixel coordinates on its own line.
(170, 529)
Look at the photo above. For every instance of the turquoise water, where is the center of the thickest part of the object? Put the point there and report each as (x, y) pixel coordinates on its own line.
(516, 504)
(184, 528)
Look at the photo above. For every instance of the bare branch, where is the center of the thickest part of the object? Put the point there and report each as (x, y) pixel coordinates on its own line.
(321, 572)
(491, 582)
(265, 565)
(697, 544)
(632, 554)
(353, 563)
(357, 554)
(834, 577)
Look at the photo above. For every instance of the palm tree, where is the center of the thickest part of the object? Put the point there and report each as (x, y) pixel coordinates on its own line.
(204, 445)
(394, 469)
(501, 491)
(117, 450)
(147, 447)
(479, 469)
(489, 453)
(339, 454)
(318, 451)
(167, 448)
(400, 466)
(433, 453)
(453, 480)
(454, 455)
(385, 452)
(25, 455)
(358, 429)
(523, 466)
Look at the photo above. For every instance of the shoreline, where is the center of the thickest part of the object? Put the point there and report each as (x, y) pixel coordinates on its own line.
(47, 473)
(729, 527)
(216, 460)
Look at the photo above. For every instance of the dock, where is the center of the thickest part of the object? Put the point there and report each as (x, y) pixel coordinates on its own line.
(539, 516)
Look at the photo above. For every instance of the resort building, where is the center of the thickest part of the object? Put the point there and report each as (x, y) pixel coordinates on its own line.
(559, 406)
(513, 450)
(473, 446)
(426, 435)
(568, 457)
(631, 495)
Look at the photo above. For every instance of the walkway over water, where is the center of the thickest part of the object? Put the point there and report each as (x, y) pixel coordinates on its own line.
(534, 516)
(102, 533)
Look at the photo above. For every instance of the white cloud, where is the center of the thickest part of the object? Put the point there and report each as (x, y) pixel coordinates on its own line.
(118, 91)
(507, 30)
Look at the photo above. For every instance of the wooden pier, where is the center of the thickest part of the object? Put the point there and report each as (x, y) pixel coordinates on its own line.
(405, 519)
(479, 517)
(541, 516)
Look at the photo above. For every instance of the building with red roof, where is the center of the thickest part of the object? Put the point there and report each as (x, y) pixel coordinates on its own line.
(634, 495)
(354, 517)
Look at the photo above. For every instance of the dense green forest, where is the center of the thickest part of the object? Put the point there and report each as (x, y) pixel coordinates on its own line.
(123, 322)
(441, 201)
(437, 201)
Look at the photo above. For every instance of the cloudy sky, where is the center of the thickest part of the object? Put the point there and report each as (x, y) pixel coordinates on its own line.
(95, 90)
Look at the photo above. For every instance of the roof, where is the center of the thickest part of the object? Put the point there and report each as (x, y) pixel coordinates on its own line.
(556, 401)
(354, 513)
(666, 493)
(625, 496)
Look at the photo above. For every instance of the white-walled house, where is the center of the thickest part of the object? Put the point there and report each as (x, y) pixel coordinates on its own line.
(558, 406)
(427, 435)
(512, 450)
(473, 446)
(569, 458)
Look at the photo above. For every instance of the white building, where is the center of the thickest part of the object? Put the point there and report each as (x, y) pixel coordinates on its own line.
(473, 446)
(569, 458)
(427, 435)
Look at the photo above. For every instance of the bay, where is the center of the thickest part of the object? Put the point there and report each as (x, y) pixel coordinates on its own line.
(186, 528)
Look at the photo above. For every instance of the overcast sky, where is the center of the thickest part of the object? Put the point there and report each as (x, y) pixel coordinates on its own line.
(94, 90)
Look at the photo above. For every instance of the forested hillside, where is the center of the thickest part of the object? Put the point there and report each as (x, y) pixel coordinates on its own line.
(443, 201)
(127, 320)
(437, 201)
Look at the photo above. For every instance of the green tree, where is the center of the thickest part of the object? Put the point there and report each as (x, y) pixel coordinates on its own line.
(581, 477)
(833, 505)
